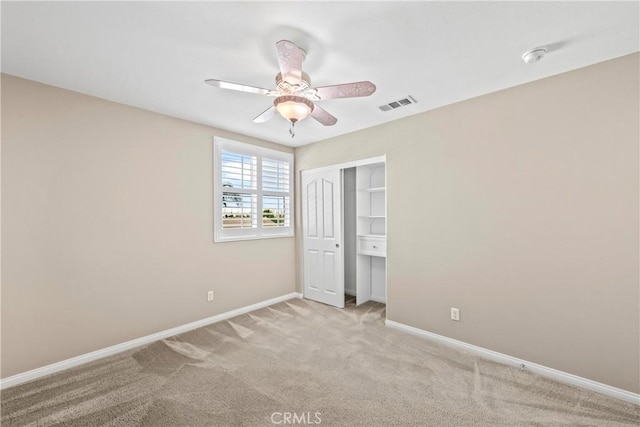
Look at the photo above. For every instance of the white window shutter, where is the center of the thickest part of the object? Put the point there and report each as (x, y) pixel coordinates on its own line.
(253, 189)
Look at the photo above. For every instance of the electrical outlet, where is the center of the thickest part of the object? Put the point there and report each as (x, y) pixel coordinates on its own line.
(455, 314)
(210, 296)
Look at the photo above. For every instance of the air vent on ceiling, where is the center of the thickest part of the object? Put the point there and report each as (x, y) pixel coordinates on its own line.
(399, 103)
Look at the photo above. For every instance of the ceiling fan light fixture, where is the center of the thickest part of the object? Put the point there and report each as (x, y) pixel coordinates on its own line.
(293, 108)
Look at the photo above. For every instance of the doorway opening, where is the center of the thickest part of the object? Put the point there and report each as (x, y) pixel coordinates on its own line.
(344, 232)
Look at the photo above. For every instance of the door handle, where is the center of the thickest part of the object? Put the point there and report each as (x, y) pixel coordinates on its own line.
(337, 245)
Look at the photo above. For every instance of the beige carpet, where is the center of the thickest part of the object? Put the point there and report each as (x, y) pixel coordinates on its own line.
(303, 358)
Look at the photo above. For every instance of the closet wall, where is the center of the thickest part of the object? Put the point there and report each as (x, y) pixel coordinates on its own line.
(350, 228)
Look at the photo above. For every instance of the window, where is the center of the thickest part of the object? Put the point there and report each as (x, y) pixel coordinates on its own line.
(253, 192)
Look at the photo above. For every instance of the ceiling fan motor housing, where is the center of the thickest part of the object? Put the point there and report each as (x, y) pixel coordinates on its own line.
(285, 87)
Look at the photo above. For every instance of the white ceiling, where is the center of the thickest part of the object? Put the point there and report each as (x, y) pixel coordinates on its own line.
(156, 55)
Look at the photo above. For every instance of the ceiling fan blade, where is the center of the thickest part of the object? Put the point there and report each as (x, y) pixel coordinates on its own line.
(346, 90)
(290, 59)
(236, 86)
(321, 115)
(266, 115)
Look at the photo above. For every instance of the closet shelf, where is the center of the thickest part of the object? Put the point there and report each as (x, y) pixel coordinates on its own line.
(374, 190)
(377, 254)
(371, 216)
(373, 236)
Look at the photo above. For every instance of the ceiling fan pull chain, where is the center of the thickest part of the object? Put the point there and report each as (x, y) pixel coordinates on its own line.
(292, 130)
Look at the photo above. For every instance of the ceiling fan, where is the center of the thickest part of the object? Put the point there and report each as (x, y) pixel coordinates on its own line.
(294, 96)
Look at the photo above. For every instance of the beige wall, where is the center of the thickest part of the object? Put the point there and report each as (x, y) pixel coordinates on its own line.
(531, 232)
(107, 228)
(520, 208)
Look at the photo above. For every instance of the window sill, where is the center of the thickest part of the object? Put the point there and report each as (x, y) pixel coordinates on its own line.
(242, 238)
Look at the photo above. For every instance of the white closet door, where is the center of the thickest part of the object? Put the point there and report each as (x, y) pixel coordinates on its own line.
(322, 239)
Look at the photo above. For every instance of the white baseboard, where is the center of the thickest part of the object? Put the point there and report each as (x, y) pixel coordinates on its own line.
(118, 348)
(560, 376)
(382, 300)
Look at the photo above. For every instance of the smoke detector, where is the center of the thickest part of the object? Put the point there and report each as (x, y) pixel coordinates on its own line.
(534, 55)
